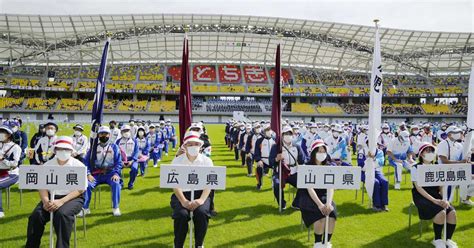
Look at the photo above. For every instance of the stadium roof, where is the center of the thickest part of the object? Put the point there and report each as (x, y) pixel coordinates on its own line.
(158, 38)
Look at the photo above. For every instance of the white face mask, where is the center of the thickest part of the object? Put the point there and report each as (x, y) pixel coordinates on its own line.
(288, 138)
(141, 133)
(77, 133)
(268, 134)
(335, 134)
(258, 130)
(63, 155)
(126, 135)
(321, 156)
(313, 130)
(50, 132)
(3, 137)
(193, 150)
(14, 129)
(429, 157)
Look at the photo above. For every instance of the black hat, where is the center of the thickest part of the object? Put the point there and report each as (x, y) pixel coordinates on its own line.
(51, 124)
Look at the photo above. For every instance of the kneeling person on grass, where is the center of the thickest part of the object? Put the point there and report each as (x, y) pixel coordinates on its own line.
(181, 199)
(65, 205)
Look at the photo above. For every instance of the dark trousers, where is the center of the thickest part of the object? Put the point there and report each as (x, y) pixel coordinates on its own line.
(243, 155)
(292, 180)
(236, 153)
(63, 220)
(249, 162)
(182, 215)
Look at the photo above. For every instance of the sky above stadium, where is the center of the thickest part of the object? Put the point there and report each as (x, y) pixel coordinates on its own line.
(427, 15)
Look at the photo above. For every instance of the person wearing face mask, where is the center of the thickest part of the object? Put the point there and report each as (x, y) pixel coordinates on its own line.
(143, 148)
(310, 136)
(43, 149)
(450, 151)
(172, 134)
(263, 147)
(337, 146)
(114, 131)
(316, 204)
(129, 145)
(242, 143)
(290, 157)
(239, 129)
(133, 128)
(380, 193)
(181, 199)
(80, 143)
(441, 134)
(104, 168)
(20, 138)
(34, 140)
(430, 203)
(166, 137)
(250, 147)
(324, 132)
(65, 205)
(10, 154)
(154, 141)
(427, 135)
(400, 153)
(415, 138)
(384, 138)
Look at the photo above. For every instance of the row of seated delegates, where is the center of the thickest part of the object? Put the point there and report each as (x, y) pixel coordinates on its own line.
(28, 71)
(60, 84)
(24, 82)
(448, 90)
(66, 72)
(306, 76)
(355, 108)
(357, 79)
(332, 79)
(73, 104)
(218, 105)
(459, 108)
(154, 72)
(11, 102)
(40, 103)
(436, 109)
(259, 89)
(449, 81)
(123, 72)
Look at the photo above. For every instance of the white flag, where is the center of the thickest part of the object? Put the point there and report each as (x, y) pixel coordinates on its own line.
(470, 114)
(375, 113)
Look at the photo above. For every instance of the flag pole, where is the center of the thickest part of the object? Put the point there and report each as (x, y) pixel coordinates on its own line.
(280, 193)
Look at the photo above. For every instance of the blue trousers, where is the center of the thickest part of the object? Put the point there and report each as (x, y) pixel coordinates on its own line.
(133, 174)
(380, 195)
(292, 180)
(142, 166)
(173, 142)
(5, 183)
(166, 146)
(155, 155)
(104, 179)
(397, 175)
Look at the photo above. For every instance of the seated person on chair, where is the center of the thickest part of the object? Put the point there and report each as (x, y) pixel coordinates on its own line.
(10, 154)
(65, 205)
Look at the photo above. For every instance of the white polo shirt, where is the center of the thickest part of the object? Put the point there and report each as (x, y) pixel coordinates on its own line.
(451, 150)
(200, 160)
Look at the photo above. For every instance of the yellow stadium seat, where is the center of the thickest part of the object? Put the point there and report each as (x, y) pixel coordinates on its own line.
(128, 105)
(232, 89)
(11, 103)
(40, 104)
(305, 108)
(436, 109)
(162, 106)
(330, 109)
(72, 104)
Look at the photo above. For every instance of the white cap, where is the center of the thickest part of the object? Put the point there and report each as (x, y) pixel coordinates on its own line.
(453, 129)
(104, 129)
(318, 143)
(404, 134)
(287, 129)
(192, 136)
(64, 142)
(125, 127)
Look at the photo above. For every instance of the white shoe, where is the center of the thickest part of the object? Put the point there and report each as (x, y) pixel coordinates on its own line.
(328, 245)
(166, 154)
(451, 244)
(2, 214)
(116, 212)
(159, 160)
(83, 212)
(439, 243)
(318, 245)
(155, 165)
(397, 186)
(467, 202)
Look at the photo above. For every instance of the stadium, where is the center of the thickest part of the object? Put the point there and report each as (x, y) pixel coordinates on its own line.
(50, 92)
(50, 64)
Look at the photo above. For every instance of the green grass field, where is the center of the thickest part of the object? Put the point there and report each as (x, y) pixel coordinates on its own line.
(246, 217)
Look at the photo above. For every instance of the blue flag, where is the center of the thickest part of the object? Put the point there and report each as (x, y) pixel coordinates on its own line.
(98, 107)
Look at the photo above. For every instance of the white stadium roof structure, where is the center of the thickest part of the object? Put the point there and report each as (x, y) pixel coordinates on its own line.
(158, 38)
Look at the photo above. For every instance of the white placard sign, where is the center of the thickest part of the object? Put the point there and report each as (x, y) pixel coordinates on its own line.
(192, 177)
(329, 177)
(446, 174)
(53, 177)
